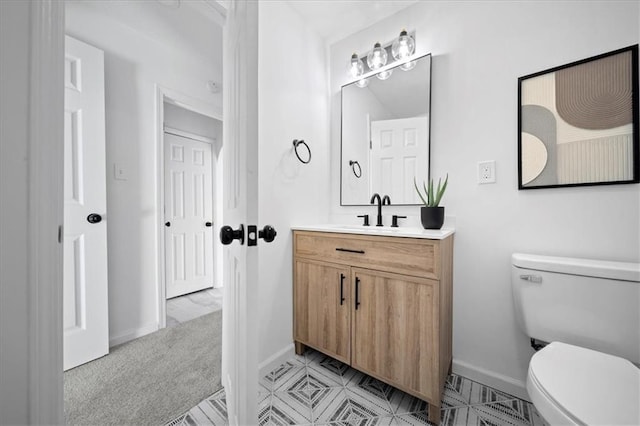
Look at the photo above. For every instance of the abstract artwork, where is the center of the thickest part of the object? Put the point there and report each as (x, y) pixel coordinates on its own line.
(578, 123)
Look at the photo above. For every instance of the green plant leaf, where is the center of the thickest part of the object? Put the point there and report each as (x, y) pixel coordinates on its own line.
(426, 193)
(433, 196)
(418, 191)
(441, 190)
(436, 198)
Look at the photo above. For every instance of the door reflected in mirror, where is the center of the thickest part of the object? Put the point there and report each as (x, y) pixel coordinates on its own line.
(385, 130)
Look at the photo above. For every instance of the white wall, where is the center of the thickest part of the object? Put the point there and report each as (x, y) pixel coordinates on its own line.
(479, 50)
(14, 308)
(183, 119)
(134, 63)
(292, 105)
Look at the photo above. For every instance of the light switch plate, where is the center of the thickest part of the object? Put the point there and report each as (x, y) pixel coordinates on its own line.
(487, 172)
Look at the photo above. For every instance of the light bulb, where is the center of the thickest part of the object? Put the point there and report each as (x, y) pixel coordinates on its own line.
(377, 58)
(356, 67)
(362, 83)
(384, 74)
(408, 66)
(403, 46)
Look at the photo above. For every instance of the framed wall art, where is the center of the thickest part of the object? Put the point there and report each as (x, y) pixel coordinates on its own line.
(578, 123)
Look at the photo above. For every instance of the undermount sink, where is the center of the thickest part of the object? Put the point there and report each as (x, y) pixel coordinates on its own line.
(401, 231)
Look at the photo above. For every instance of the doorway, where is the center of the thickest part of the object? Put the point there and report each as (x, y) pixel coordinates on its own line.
(46, 30)
(191, 144)
(148, 49)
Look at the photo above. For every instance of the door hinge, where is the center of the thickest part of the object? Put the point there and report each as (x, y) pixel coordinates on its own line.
(60, 234)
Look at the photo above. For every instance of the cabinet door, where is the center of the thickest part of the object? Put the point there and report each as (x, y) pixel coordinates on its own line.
(394, 329)
(322, 303)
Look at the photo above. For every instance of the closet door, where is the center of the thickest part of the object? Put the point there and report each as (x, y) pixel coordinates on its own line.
(322, 303)
(188, 215)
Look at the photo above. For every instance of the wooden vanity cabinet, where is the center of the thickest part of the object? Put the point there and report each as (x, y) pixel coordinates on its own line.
(394, 332)
(380, 304)
(322, 303)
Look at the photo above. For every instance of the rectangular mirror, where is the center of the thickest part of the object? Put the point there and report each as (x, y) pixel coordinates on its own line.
(385, 135)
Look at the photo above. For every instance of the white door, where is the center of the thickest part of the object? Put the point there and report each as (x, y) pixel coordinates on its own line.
(240, 195)
(399, 151)
(86, 321)
(188, 215)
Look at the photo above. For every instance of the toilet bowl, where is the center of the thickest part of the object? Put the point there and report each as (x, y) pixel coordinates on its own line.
(590, 311)
(572, 385)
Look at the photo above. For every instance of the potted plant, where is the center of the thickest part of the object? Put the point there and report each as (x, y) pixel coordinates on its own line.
(431, 214)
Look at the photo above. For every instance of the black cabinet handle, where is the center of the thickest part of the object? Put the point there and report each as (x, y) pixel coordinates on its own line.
(350, 250)
(94, 218)
(357, 292)
(208, 224)
(167, 224)
(342, 277)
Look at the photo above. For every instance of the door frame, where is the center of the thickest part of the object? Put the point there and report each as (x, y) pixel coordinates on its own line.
(181, 100)
(45, 215)
(45, 162)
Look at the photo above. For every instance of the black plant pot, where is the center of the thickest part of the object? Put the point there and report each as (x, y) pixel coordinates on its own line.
(432, 217)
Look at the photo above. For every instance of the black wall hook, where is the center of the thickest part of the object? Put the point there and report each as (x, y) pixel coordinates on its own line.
(296, 144)
(353, 165)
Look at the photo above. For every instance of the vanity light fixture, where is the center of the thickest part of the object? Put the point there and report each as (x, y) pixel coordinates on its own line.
(377, 58)
(408, 66)
(357, 67)
(400, 50)
(384, 74)
(362, 83)
(403, 46)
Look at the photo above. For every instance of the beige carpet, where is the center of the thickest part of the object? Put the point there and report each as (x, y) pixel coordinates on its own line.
(150, 380)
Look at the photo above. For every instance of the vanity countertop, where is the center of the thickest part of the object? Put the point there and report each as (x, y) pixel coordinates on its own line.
(406, 232)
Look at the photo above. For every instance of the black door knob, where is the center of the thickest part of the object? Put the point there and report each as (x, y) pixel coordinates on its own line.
(167, 224)
(228, 234)
(94, 218)
(268, 233)
(208, 224)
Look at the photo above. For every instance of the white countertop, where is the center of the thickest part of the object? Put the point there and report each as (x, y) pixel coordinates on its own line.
(386, 231)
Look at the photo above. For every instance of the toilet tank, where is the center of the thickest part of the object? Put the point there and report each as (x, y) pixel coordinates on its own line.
(589, 303)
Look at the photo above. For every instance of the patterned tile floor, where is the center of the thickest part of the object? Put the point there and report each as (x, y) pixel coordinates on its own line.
(317, 390)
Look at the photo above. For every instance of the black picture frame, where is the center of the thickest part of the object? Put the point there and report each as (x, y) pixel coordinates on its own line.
(578, 123)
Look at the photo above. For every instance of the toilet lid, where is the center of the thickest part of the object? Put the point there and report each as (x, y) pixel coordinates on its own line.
(589, 386)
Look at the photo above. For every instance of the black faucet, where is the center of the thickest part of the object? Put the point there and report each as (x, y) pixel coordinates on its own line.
(385, 201)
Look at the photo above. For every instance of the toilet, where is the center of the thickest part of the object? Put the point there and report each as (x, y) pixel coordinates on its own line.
(588, 311)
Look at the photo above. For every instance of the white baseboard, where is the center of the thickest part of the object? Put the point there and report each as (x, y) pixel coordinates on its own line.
(276, 360)
(491, 378)
(132, 334)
